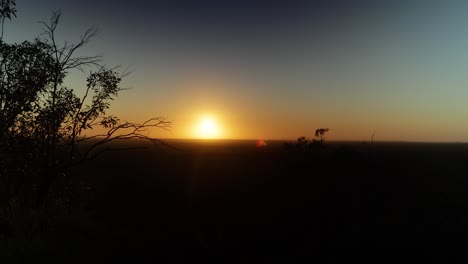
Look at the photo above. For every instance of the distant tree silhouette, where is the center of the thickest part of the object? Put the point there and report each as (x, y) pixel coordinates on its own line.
(304, 145)
(301, 143)
(43, 122)
(321, 132)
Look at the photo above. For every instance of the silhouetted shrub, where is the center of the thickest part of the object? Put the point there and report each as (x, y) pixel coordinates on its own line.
(44, 124)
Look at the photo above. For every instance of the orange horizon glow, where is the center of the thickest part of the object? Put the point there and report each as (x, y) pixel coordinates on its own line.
(209, 109)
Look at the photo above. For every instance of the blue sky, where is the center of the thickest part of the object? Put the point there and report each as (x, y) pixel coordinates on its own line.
(280, 69)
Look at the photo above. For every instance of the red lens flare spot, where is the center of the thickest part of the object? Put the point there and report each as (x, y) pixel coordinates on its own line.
(261, 143)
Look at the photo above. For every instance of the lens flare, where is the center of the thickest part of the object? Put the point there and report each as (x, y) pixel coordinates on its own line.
(261, 143)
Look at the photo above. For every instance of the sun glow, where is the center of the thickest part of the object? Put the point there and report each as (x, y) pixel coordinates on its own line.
(208, 128)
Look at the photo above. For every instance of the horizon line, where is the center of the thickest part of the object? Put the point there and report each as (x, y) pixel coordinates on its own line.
(331, 141)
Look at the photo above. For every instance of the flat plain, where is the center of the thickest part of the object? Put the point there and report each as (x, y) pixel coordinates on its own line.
(234, 201)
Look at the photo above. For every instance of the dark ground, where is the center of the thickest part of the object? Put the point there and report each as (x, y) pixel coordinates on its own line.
(230, 201)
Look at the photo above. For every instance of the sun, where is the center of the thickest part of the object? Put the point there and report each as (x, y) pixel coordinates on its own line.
(208, 128)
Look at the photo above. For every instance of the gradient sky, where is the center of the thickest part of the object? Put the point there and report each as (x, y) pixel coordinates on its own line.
(279, 70)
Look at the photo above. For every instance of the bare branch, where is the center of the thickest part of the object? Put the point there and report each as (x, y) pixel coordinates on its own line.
(64, 54)
(118, 133)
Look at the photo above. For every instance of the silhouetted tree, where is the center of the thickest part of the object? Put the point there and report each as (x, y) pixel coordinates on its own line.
(301, 143)
(321, 132)
(304, 145)
(43, 122)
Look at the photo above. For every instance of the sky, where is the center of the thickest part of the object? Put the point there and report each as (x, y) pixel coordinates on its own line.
(278, 69)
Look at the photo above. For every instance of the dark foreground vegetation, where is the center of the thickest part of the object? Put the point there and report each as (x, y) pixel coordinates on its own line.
(232, 201)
